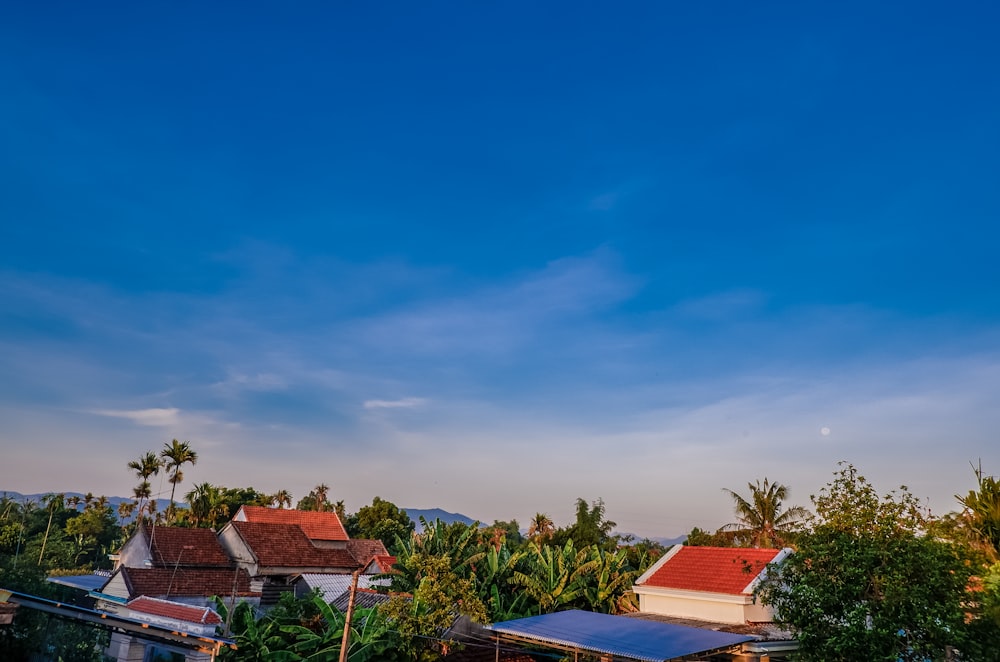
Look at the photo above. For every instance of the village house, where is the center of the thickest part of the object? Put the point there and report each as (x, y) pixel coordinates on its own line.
(168, 576)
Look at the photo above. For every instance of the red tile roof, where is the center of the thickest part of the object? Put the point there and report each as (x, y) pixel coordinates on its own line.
(365, 550)
(186, 582)
(385, 562)
(174, 546)
(174, 610)
(317, 525)
(286, 546)
(711, 569)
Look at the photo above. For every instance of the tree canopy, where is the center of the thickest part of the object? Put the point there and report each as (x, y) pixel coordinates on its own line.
(866, 583)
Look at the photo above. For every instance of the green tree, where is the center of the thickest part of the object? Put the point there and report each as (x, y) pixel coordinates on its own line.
(510, 531)
(866, 582)
(382, 520)
(439, 598)
(175, 455)
(592, 527)
(701, 538)
(761, 520)
(95, 532)
(316, 500)
(207, 504)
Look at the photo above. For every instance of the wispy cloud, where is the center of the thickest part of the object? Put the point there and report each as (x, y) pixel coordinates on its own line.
(403, 403)
(155, 417)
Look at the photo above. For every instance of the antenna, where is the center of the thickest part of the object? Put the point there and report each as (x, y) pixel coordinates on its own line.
(176, 564)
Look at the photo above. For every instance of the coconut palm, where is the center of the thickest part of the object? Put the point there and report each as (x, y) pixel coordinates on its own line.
(761, 520)
(146, 466)
(541, 526)
(207, 504)
(52, 501)
(175, 455)
(282, 499)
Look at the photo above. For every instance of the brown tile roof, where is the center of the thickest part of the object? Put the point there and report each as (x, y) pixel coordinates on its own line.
(175, 610)
(317, 525)
(712, 569)
(366, 550)
(175, 546)
(188, 582)
(286, 546)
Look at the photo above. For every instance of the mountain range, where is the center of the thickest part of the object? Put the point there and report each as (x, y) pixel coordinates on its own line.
(428, 514)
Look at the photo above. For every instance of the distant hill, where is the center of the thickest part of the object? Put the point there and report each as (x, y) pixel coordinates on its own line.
(431, 514)
(161, 504)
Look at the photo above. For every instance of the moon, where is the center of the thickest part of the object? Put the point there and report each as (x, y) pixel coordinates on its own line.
(825, 431)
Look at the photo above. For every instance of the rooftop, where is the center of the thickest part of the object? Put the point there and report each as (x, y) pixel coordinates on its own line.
(316, 525)
(728, 570)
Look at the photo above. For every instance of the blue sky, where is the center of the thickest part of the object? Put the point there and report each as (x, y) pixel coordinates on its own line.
(496, 258)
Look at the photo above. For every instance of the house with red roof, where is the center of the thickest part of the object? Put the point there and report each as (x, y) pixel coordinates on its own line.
(275, 546)
(174, 563)
(324, 529)
(714, 584)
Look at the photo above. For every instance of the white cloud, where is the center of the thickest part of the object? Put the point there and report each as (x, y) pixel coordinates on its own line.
(403, 403)
(154, 417)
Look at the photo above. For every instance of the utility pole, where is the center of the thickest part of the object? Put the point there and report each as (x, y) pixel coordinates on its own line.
(346, 641)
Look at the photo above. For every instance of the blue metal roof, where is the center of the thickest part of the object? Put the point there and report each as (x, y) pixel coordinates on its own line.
(91, 582)
(618, 635)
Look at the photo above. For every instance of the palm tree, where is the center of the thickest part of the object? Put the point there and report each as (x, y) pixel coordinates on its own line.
(760, 520)
(175, 455)
(125, 510)
(147, 465)
(207, 504)
(282, 499)
(981, 511)
(541, 526)
(51, 500)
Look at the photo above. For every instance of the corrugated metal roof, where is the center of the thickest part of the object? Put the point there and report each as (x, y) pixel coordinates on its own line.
(615, 635)
(333, 586)
(92, 582)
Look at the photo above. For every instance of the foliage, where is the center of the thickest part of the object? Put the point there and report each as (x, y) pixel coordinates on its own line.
(511, 531)
(36, 635)
(761, 520)
(317, 499)
(175, 455)
(382, 520)
(540, 527)
(556, 579)
(590, 528)
(207, 505)
(981, 512)
(866, 582)
(701, 538)
(493, 583)
(146, 466)
(439, 598)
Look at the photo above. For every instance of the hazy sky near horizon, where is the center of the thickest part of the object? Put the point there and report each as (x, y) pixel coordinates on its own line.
(493, 258)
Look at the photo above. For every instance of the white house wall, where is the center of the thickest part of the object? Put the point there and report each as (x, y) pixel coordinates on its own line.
(733, 609)
(704, 610)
